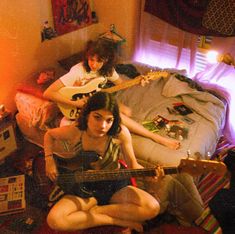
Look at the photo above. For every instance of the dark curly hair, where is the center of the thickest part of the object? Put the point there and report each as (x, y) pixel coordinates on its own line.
(105, 51)
(101, 100)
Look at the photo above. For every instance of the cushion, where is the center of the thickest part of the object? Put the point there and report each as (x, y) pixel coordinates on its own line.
(72, 60)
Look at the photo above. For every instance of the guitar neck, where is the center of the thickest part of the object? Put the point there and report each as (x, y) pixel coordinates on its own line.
(124, 85)
(89, 176)
(191, 166)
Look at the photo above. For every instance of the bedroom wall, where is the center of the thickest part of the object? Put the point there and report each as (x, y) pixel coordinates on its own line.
(22, 52)
(125, 14)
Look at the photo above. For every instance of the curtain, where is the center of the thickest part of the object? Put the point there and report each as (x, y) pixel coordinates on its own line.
(163, 45)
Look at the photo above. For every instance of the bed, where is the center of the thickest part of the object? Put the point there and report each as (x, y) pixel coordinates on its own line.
(205, 136)
(35, 115)
(203, 127)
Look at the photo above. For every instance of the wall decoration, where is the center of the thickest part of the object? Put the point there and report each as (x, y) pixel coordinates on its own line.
(70, 15)
(47, 32)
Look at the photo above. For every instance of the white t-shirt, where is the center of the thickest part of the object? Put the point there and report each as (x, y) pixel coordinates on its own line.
(78, 76)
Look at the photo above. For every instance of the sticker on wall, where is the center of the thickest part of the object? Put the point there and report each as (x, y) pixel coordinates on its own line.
(70, 15)
(47, 32)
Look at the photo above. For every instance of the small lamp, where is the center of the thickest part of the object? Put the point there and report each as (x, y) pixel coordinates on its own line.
(212, 56)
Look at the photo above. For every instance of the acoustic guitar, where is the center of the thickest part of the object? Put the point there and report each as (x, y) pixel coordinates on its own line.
(78, 172)
(74, 93)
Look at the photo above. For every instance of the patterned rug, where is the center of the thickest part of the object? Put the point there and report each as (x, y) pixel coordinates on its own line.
(209, 185)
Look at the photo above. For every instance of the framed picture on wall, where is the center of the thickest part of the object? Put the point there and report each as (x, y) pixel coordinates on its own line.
(70, 15)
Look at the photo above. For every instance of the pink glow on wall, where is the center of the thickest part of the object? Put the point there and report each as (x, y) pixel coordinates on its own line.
(164, 56)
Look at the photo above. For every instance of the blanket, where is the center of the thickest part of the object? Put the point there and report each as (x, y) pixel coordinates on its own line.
(155, 99)
(203, 103)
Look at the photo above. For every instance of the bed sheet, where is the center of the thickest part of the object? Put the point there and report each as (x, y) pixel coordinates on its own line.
(153, 99)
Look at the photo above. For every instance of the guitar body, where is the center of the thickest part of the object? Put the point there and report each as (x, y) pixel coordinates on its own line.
(77, 92)
(102, 190)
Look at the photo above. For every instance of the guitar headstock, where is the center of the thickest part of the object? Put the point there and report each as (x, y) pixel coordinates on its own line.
(197, 167)
(153, 75)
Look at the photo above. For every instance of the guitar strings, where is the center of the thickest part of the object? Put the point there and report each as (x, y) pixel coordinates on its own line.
(102, 175)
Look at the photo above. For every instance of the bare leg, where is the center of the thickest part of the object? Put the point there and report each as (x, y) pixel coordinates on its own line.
(73, 213)
(131, 203)
(138, 129)
(130, 207)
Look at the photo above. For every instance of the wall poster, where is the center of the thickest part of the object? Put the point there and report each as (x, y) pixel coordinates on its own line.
(70, 15)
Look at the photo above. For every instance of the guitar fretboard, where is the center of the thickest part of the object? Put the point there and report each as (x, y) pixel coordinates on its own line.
(123, 85)
(89, 176)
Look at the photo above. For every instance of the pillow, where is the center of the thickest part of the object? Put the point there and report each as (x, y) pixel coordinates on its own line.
(72, 60)
(40, 112)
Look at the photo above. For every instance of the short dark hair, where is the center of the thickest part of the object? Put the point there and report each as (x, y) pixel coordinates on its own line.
(101, 100)
(105, 51)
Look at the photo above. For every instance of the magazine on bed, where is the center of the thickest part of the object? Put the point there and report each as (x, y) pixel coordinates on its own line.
(173, 128)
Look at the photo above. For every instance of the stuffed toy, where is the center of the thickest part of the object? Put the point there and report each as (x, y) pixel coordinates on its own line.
(47, 76)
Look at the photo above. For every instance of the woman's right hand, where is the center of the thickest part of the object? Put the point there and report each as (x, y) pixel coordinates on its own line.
(51, 170)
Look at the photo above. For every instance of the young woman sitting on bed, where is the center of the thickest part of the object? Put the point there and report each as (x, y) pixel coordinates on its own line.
(99, 62)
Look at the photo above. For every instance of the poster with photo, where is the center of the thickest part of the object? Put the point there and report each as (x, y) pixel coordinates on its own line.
(70, 15)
